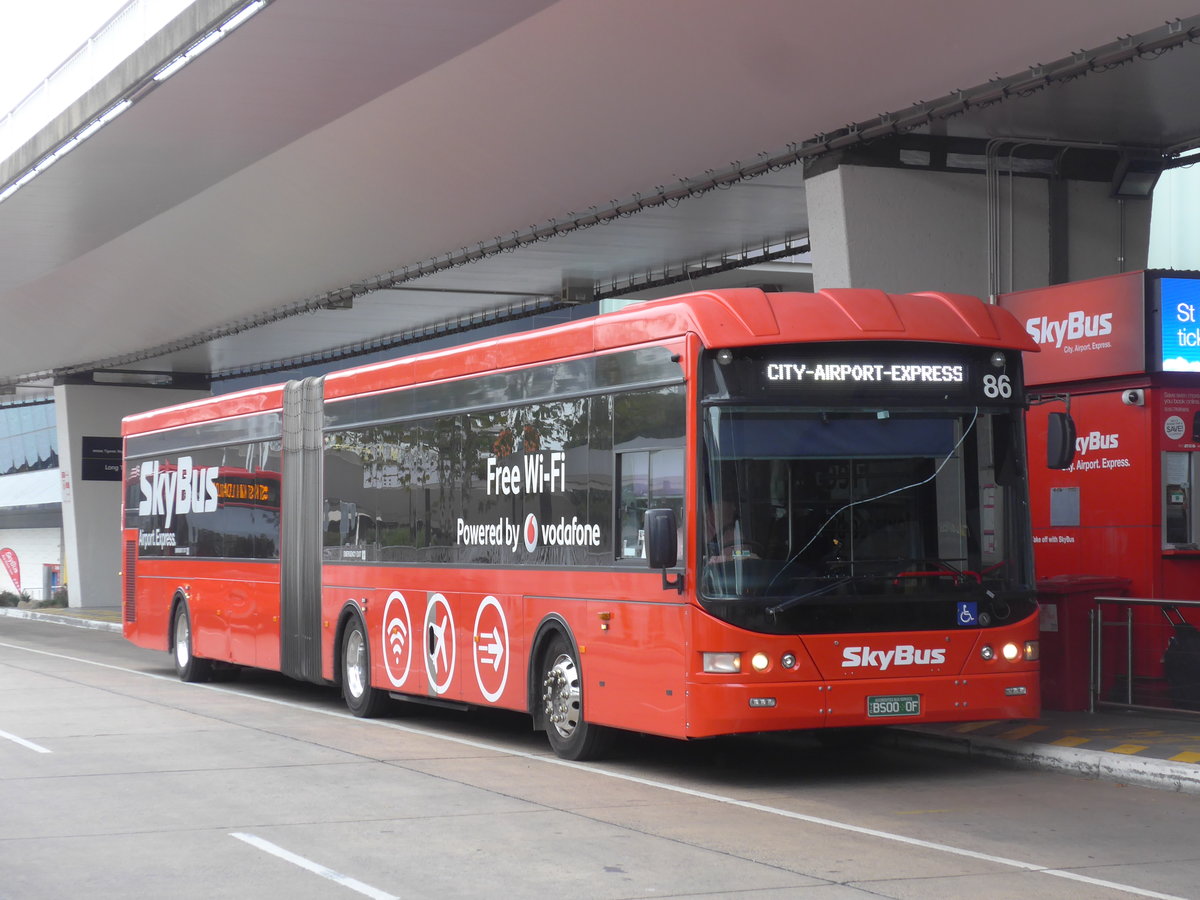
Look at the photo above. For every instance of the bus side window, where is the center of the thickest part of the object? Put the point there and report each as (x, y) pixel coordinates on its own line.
(648, 434)
(648, 479)
(633, 476)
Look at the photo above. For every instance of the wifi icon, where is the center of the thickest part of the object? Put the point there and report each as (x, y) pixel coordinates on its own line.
(397, 636)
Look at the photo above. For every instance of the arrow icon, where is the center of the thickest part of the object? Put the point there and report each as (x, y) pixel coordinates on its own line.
(492, 654)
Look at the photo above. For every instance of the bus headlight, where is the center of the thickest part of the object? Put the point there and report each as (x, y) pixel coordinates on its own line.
(760, 661)
(987, 652)
(1011, 651)
(722, 663)
(1032, 651)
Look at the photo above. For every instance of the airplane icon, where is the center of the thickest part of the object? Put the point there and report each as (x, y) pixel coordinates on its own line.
(438, 634)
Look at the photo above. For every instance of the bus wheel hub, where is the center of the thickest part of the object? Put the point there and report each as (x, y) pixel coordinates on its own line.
(560, 692)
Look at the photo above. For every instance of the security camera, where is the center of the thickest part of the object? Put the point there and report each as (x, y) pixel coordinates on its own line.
(1134, 397)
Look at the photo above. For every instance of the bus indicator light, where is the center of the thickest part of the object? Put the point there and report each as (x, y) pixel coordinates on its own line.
(722, 663)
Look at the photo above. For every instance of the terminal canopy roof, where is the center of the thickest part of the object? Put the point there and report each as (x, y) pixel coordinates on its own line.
(332, 179)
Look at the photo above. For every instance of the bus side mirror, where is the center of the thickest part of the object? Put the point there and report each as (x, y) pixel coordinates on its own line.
(1060, 440)
(662, 544)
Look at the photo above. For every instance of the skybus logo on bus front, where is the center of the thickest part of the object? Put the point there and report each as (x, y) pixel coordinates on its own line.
(902, 655)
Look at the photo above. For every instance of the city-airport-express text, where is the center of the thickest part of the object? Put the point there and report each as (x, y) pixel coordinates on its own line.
(876, 373)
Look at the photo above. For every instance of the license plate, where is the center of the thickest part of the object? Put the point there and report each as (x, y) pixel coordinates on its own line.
(894, 705)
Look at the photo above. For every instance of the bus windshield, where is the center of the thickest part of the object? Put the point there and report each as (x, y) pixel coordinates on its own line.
(863, 518)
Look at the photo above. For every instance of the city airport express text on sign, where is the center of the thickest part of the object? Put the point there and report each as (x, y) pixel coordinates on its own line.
(862, 372)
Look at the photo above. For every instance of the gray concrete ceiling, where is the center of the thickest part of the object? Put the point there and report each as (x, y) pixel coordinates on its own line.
(440, 159)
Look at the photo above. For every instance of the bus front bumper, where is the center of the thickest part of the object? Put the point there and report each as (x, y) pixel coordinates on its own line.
(716, 708)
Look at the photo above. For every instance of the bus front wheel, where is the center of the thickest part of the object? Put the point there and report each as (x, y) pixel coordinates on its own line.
(363, 700)
(188, 666)
(571, 736)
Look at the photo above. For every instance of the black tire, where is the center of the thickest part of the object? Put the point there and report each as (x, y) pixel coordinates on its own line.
(570, 735)
(361, 699)
(188, 666)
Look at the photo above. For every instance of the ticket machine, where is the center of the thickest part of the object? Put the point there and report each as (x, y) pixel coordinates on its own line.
(1124, 351)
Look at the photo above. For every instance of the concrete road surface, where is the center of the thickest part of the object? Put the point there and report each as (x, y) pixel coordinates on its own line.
(116, 780)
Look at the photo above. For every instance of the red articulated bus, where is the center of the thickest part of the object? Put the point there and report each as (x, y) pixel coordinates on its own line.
(726, 512)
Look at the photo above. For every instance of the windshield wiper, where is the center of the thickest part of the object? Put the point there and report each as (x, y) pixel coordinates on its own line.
(774, 611)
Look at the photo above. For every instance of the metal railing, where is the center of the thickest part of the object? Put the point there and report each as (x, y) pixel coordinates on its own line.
(1113, 680)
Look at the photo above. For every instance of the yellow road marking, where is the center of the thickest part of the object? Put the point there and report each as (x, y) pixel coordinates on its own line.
(1071, 741)
(1128, 749)
(1017, 734)
(1188, 756)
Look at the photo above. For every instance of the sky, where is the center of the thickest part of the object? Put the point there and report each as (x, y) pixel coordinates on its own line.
(37, 35)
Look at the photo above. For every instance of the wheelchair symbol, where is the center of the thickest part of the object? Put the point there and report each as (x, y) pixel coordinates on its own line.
(968, 613)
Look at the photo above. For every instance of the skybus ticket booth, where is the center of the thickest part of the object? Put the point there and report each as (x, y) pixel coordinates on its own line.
(1126, 350)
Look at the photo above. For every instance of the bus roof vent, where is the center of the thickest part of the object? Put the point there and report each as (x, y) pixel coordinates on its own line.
(869, 310)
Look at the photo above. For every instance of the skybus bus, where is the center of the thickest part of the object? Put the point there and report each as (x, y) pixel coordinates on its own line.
(727, 512)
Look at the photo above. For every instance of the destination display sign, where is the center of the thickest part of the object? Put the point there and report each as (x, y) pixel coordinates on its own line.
(866, 373)
(824, 373)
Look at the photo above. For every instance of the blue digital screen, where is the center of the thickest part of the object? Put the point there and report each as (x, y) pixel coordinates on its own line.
(1180, 299)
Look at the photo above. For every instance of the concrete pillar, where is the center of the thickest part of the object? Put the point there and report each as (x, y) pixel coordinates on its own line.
(91, 509)
(902, 230)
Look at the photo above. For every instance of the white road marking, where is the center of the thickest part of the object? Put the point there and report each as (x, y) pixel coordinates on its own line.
(634, 779)
(29, 745)
(316, 868)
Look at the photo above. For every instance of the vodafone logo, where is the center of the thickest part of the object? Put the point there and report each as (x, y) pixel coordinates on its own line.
(530, 532)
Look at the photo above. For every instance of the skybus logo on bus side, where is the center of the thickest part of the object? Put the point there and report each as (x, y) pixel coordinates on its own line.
(902, 655)
(178, 491)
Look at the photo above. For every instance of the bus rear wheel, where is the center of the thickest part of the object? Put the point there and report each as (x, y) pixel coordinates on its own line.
(361, 699)
(188, 666)
(570, 735)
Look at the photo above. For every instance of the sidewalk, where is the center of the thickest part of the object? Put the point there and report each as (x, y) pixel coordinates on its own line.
(104, 618)
(1156, 749)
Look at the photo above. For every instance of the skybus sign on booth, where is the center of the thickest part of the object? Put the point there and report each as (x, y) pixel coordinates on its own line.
(437, 528)
(1126, 349)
